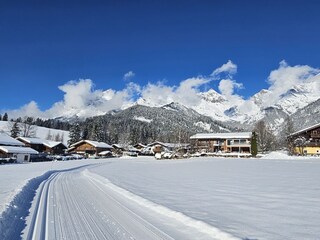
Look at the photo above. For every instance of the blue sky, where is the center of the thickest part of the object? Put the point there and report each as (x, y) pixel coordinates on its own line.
(45, 44)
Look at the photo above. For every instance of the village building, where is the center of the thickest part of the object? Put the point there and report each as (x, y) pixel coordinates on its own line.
(14, 150)
(44, 146)
(237, 143)
(139, 146)
(158, 147)
(118, 149)
(306, 141)
(88, 147)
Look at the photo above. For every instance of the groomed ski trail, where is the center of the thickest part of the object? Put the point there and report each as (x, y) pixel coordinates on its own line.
(75, 205)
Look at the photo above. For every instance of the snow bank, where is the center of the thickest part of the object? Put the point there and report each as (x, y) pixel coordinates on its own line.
(284, 155)
(13, 219)
(41, 132)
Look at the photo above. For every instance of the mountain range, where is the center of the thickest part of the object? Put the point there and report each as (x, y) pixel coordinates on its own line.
(214, 112)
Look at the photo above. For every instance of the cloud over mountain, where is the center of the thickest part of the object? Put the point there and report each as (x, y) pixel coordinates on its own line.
(82, 99)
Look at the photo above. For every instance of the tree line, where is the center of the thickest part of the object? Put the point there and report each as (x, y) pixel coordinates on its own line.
(110, 129)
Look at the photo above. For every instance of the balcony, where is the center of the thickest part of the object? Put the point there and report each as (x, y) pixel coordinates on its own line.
(315, 135)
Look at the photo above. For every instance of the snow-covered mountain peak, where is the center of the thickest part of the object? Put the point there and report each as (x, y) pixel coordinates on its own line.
(212, 96)
(174, 106)
(259, 97)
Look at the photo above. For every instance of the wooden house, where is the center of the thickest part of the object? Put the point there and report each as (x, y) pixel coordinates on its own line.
(88, 147)
(223, 143)
(53, 147)
(158, 147)
(307, 140)
(139, 146)
(12, 149)
(44, 146)
(118, 149)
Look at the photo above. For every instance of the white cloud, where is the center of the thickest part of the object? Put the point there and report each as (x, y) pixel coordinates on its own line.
(186, 93)
(82, 99)
(31, 109)
(228, 68)
(227, 87)
(129, 75)
(286, 77)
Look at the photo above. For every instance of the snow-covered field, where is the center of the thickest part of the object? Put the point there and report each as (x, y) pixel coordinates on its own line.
(40, 132)
(141, 198)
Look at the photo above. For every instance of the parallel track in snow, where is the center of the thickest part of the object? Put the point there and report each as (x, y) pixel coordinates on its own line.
(72, 206)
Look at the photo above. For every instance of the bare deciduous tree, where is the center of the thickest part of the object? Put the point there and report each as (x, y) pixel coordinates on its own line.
(27, 127)
(265, 137)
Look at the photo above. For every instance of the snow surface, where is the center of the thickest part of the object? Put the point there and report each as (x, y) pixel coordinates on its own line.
(41, 132)
(201, 198)
(142, 119)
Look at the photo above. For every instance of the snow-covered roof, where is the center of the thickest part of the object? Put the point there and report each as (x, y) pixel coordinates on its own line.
(13, 149)
(31, 140)
(47, 143)
(7, 140)
(116, 145)
(305, 129)
(52, 144)
(169, 145)
(98, 144)
(232, 135)
(93, 143)
(140, 144)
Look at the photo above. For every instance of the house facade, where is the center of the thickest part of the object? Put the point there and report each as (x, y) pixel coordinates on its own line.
(223, 143)
(306, 141)
(88, 147)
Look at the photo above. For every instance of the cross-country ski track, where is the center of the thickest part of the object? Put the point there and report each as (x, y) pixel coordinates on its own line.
(78, 204)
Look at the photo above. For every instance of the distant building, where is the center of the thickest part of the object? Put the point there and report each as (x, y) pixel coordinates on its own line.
(158, 147)
(118, 149)
(139, 146)
(44, 146)
(307, 140)
(12, 149)
(89, 147)
(228, 143)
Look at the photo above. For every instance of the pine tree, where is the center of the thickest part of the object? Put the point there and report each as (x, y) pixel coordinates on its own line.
(15, 130)
(49, 135)
(254, 144)
(57, 137)
(5, 117)
(98, 132)
(85, 133)
(74, 134)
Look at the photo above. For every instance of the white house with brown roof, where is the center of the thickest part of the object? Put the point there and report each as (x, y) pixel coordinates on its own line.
(228, 143)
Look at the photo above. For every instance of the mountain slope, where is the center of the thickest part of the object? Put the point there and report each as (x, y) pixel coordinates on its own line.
(307, 116)
(169, 123)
